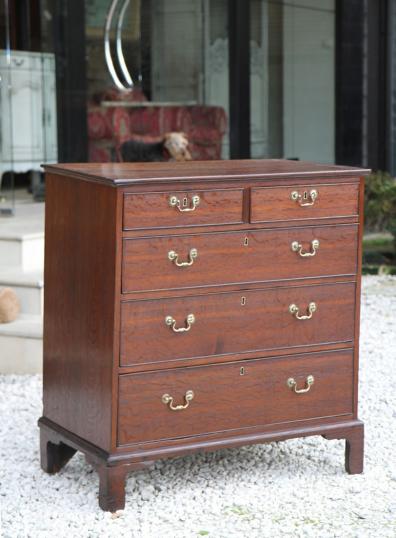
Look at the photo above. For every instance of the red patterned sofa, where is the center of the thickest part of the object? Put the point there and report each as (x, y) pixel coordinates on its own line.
(108, 127)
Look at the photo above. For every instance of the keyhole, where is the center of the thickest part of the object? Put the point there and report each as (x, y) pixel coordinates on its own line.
(246, 242)
(243, 301)
(185, 201)
(242, 371)
(305, 195)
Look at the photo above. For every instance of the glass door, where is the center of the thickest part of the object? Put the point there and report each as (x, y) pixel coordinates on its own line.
(7, 180)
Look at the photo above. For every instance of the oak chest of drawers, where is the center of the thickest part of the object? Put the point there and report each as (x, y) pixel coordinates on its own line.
(195, 306)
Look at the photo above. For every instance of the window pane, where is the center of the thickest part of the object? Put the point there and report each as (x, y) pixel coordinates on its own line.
(292, 79)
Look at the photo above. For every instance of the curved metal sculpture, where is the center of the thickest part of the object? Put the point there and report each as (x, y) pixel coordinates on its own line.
(128, 85)
(120, 54)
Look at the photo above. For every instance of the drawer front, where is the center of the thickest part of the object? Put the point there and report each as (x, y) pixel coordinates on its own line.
(180, 208)
(238, 257)
(236, 322)
(289, 203)
(227, 398)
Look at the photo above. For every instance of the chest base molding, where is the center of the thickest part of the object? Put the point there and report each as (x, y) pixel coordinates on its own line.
(59, 445)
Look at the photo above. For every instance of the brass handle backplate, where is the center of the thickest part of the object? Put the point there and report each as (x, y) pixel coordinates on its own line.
(167, 399)
(292, 383)
(182, 206)
(171, 322)
(295, 311)
(302, 198)
(174, 257)
(297, 247)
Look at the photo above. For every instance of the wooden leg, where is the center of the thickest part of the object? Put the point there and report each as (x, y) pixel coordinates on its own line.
(112, 487)
(354, 451)
(54, 455)
(354, 446)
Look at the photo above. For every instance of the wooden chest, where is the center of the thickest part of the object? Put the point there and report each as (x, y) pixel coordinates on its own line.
(195, 306)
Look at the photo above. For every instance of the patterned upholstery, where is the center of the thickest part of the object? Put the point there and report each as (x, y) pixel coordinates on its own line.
(109, 127)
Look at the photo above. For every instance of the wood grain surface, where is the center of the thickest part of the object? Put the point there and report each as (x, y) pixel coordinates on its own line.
(79, 305)
(219, 206)
(237, 257)
(274, 203)
(224, 399)
(165, 172)
(224, 326)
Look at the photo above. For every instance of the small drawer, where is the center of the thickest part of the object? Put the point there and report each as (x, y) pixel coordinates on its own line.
(210, 259)
(190, 401)
(304, 202)
(183, 208)
(159, 330)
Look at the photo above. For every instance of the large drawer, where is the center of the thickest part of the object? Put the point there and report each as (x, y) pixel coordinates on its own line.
(304, 202)
(183, 261)
(233, 395)
(229, 323)
(183, 208)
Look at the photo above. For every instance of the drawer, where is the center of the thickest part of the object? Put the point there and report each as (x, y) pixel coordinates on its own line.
(237, 257)
(229, 323)
(233, 395)
(183, 208)
(295, 203)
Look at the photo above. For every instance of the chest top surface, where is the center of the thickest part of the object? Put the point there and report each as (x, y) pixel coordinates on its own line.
(124, 174)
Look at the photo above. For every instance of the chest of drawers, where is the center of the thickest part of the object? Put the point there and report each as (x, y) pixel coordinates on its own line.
(195, 306)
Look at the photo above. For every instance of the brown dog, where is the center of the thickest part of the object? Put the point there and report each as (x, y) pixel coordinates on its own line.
(177, 145)
(173, 146)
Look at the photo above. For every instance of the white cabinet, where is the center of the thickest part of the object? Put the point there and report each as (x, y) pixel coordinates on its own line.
(28, 133)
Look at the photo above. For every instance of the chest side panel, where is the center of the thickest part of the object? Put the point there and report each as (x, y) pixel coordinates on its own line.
(79, 306)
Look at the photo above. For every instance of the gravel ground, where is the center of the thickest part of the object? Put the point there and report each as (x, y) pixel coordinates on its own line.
(294, 488)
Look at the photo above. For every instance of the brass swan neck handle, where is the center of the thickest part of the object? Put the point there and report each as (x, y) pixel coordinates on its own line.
(297, 247)
(295, 311)
(292, 383)
(167, 399)
(171, 322)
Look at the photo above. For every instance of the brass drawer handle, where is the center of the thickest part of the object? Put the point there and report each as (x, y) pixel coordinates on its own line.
(181, 205)
(171, 322)
(295, 311)
(167, 399)
(192, 255)
(301, 198)
(297, 247)
(292, 383)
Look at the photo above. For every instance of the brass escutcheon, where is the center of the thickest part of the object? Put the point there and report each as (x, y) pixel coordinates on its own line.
(301, 198)
(174, 201)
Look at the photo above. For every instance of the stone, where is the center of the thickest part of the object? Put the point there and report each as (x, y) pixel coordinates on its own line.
(9, 305)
